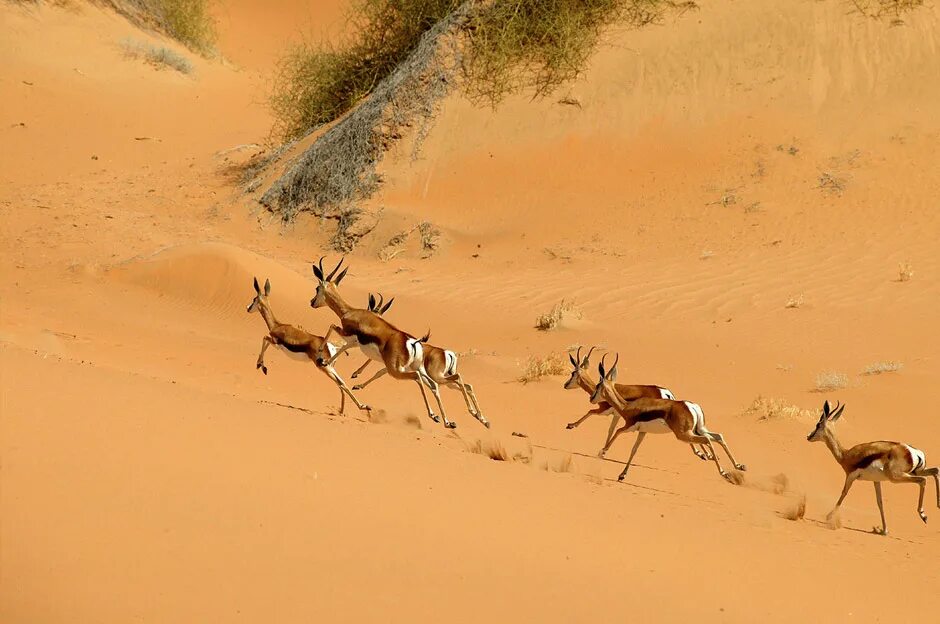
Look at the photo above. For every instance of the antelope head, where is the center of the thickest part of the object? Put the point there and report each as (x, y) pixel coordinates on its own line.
(828, 416)
(579, 369)
(261, 296)
(605, 385)
(327, 283)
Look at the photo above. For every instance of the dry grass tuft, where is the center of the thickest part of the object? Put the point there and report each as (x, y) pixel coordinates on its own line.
(830, 380)
(883, 367)
(537, 367)
(188, 21)
(795, 301)
(559, 312)
(565, 464)
(772, 409)
(157, 56)
(428, 236)
(905, 271)
(492, 449)
(831, 183)
(889, 9)
(796, 511)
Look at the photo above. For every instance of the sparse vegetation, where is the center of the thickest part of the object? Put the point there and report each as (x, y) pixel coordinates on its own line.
(188, 21)
(892, 9)
(765, 408)
(795, 301)
(905, 271)
(883, 367)
(428, 235)
(831, 183)
(565, 464)
(492, 449)
(562, 310)
(537, 367)
(828, 381)
(157, 56)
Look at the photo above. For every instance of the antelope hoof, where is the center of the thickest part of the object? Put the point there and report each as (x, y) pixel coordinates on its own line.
(264, 369)
(622, 476)
(357, 387)
(923, 516)
(487, 424)
(366, 408)
(602, 453)
(570, 426)
(435, 418)
(450, 425)
(727, 477)
(355, 376)
(741, 467)
(879, 531)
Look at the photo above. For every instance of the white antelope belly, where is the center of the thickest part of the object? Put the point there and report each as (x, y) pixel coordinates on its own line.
(651, 426)
(299, 356)
(873, 472)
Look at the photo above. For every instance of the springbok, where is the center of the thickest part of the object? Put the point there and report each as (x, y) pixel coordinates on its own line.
(401, 353)
(683, 418)
(876, 462)
(440, 365)
(579, 379)
(296, 343)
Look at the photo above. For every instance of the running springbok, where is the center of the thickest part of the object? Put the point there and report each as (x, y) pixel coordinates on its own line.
(296, 343)
(876, 462)
(440, 365)
(683, 418)
(579, 379)
(401, 353)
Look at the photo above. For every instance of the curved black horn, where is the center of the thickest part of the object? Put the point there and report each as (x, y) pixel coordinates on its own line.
(613, 369)
(378, 305)
(320, 264)
(577, 355)
(333, 272)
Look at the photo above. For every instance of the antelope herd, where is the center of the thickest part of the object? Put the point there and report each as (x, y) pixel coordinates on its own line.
(641, 408)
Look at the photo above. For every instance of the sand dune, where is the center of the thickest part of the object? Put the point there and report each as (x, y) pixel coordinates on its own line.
(150, 472)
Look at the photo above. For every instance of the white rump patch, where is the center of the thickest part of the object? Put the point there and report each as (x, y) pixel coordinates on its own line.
(415, 354)
(667, 394)
(918, 458)
(450, 363)
(331, 349)
(698, 416)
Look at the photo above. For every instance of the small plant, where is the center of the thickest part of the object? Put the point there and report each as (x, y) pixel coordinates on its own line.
(157, 56)
(795, 301)
(492, 449)
(831, 183)
(565, 464)
(883, 367)
(430, 237)
(188, 21)
(905, 271)
(560, 311)
(537, 367)
(765, 408)
(828, 381)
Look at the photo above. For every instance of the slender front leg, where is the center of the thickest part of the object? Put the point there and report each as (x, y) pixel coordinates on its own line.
(636, 445)
(378, 374)
(344, 389)
(476, 402)
(700, 453)
(610, 442)
(881, 510)
(614, 419)
(849, 480)
(921, 483)
(472, 407)
(265, 343)
(359, 370)
(706, 442)
(597, 410)
(933, 472)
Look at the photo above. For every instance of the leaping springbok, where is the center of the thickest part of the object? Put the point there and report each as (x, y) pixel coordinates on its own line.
(440, 365)
(580, 379)
(296, 343)
(876, 462)
(683, 418)
(401, 353)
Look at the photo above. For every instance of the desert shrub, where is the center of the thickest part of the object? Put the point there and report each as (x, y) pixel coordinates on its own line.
(560, 311)
(537, 367)
(883, 367)
(768, 408)
(830, 381)
(158, 56)
(511, 45)
(188, 21)
(886, 8)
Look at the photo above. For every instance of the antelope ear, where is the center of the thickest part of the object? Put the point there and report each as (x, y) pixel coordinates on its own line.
(574, 362)
(584, 363)
(600, 370)
(826, 408)
(317, 273)
(612, 375)
(340, 277)
(267, 287)
(257, 288)
(371, 302)
(387, 305)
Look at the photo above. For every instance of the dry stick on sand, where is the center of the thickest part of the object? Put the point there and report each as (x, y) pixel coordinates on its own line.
(876, 462)
(296, 343)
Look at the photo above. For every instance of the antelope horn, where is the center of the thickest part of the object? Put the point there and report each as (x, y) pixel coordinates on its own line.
(330, 276)
(320, 263)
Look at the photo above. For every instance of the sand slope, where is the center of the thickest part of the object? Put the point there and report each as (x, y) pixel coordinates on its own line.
(151, 473)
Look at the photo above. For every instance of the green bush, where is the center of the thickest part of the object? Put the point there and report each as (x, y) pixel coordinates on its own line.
(511, 45)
